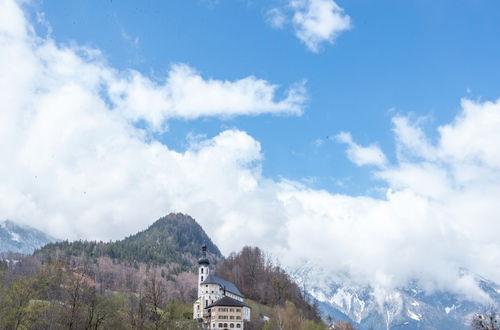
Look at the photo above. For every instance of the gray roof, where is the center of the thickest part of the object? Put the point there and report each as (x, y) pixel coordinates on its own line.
(228, 301)
(212, 279)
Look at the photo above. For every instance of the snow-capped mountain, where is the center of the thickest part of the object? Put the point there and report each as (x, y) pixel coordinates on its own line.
(405, 308)
(21, 238)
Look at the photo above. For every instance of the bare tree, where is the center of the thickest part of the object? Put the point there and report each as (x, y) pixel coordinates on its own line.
(486, 321)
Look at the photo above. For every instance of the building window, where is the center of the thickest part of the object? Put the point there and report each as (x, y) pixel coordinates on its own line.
(238, 325)
(220, 325)
(231, 325)
(202, 278)
(225, 325)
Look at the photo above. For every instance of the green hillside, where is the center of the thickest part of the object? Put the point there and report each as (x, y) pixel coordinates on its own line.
(173, 239)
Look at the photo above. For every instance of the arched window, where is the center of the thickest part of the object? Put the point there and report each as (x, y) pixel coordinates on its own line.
(231, 325)
(202, 278)
(220, 325)
(238, 325)
(202, 270)
(225, 325)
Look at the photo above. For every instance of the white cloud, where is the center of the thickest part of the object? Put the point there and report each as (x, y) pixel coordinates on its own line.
(371, 155)
(276, 18)
(72, 163)
(185, 94)
(315, 21)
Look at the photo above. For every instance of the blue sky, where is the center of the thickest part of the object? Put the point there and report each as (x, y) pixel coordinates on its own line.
(380, 141)
(418, 57)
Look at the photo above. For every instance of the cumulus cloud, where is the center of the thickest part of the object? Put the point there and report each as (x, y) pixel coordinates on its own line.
(73, 163)
(371, 155)
(314, 21)
(185, 94)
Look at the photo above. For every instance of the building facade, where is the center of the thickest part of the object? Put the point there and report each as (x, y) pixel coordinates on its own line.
(220, 305)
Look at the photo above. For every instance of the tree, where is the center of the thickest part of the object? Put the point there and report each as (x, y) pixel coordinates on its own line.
(155, 298)
(15, 298)
(486, 321)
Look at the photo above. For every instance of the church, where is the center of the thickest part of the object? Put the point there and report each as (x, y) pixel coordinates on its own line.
(220, 305)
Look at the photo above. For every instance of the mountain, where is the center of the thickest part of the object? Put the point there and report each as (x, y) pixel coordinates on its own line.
(405, 308)
(21, 238)
(173, 239)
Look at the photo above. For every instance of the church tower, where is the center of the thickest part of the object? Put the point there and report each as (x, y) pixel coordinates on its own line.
(203, 268)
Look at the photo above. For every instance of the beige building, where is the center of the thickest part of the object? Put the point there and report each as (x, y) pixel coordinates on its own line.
(220, 305)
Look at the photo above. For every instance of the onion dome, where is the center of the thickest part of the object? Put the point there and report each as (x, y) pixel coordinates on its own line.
(203, 260)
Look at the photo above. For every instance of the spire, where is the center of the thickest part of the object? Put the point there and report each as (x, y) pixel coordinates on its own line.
(203, 260)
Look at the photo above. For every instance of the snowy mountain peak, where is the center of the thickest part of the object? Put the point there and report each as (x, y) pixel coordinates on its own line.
(19, 238)
(367, 308)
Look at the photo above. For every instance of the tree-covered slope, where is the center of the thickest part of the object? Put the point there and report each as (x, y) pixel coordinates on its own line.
(175, 238)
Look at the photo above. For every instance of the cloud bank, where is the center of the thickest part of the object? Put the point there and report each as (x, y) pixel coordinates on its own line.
(315, 21)
(73, 163)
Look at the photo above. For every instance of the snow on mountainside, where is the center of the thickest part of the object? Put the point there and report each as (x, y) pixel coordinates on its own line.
(405, 308)
(21, 238)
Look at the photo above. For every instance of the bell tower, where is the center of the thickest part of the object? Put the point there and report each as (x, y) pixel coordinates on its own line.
(203, 268)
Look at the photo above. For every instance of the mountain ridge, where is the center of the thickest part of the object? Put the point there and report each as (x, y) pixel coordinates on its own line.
(20, 238)
(410, 306)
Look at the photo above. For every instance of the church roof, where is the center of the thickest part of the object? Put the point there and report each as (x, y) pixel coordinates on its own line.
(212, 279)
(227, 301)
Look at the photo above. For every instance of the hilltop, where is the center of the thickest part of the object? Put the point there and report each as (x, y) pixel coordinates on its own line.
(174, 239)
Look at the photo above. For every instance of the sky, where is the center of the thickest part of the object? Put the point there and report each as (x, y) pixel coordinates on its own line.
(358, 137)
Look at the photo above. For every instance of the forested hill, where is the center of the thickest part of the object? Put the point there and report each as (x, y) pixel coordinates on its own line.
(145, 281)
(173, 239)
